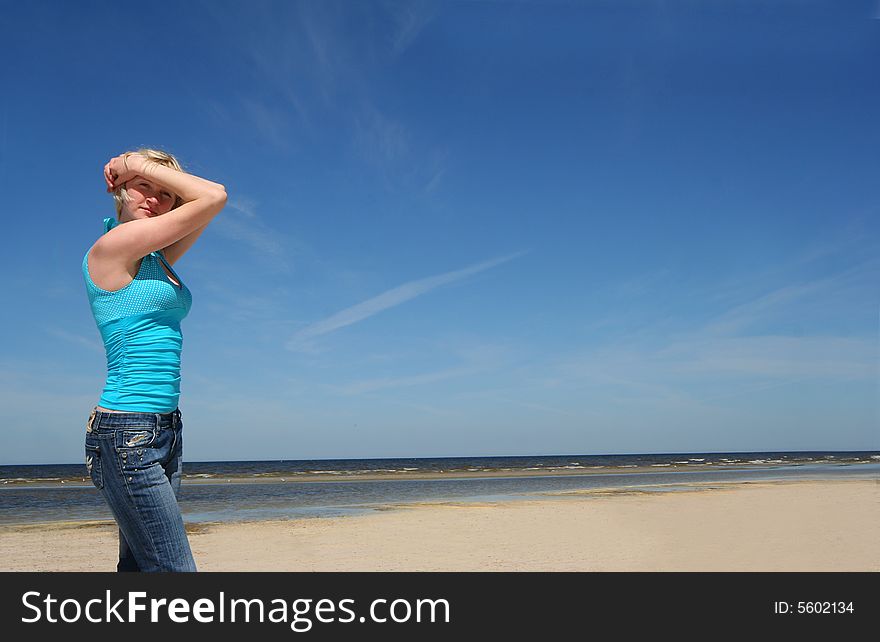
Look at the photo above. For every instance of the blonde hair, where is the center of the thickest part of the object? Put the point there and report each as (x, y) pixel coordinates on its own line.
(120, 195)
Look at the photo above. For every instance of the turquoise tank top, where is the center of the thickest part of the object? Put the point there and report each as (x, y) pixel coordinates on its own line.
(140, 326)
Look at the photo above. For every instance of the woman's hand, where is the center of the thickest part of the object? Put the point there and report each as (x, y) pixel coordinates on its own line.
(123, 168)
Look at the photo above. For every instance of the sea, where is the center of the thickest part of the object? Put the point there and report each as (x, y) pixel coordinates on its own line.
(231, 491)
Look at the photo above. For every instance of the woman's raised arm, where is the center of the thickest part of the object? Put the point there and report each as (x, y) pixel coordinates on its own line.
(202, 201)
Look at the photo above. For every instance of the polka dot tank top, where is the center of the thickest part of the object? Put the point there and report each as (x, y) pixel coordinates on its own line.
(140, 327)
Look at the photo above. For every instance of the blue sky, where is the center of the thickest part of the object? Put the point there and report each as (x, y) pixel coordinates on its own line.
(462, 228)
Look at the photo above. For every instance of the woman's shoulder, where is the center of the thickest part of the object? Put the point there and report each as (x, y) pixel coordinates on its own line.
(107, 274)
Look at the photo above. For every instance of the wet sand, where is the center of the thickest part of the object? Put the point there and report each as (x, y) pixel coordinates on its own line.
(714, 526)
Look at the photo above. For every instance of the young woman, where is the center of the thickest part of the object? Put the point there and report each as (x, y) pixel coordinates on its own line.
(133, 436)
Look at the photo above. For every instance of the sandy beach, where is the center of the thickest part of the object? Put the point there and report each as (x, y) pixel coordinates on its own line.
(741, 526)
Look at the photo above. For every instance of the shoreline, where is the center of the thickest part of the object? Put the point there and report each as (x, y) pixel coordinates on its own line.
(432, 476)
(640, 490)
(778, 525)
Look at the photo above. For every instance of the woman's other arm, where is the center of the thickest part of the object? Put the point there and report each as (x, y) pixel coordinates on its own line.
(174, 251)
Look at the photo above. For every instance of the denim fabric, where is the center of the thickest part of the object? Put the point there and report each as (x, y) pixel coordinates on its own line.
(135, 460)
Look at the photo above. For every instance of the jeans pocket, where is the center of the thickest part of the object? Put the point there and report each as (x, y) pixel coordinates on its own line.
(93, 464)
(137, 438)
(140, 450)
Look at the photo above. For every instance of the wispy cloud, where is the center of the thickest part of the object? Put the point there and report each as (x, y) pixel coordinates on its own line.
(541, 408)
(381, 383)
(773, 356)
(379, 139)
(317, 73)
(851, 243)
(745, 314)
(474, 359)
(717, 352)
(446, 413)
(270, 121)
(76, 339)
(436, 170)
(328, 52)
(397, 152)
(410, 19)
(388, 299)
(59, 376)
(245, 226)
(435, 180)
(639, 284)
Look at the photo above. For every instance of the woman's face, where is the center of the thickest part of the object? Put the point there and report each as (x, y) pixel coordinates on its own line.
(146, 199)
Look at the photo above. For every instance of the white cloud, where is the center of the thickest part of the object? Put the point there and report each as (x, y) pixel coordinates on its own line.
(410, 19)
(772, 356)
(718, 351)
(91, 344)
(388, 299)
(380, 383)
(745, 314)
(250, 230)
(380, 140)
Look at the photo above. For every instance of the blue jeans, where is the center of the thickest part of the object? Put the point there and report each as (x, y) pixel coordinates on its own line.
(134, 459)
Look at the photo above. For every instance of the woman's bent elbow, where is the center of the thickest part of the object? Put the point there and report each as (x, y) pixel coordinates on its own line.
(219, 194)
